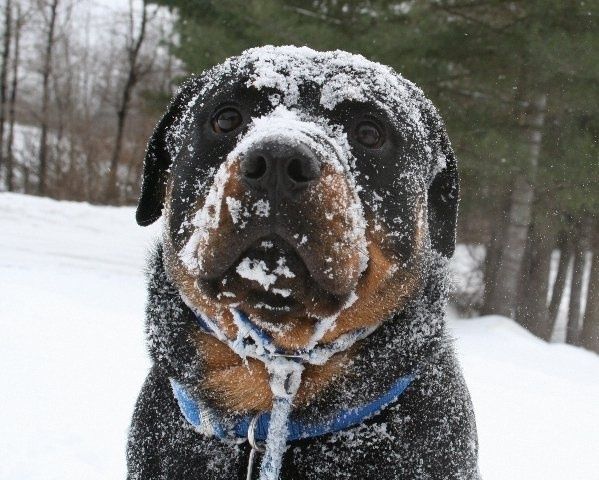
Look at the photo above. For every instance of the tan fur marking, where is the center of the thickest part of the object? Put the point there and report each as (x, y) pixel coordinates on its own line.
(244, 387)
(380, 293)
(186, 283)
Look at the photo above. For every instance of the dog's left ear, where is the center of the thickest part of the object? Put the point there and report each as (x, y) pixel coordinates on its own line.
(443, 194)
(158, 160)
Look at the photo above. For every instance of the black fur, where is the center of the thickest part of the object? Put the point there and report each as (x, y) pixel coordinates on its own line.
(429, 433)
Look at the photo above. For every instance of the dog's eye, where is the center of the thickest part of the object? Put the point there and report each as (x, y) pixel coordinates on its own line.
(226, 120)
(369, 134)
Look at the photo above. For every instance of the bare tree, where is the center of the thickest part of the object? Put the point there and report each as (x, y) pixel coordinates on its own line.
(134, 73)
(12, 101)
(63, 107)
(72, 107)
(4, 72)
(45, 107)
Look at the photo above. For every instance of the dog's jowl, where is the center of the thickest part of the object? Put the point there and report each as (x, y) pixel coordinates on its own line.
(296, 300)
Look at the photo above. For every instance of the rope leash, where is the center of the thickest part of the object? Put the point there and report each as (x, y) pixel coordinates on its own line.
(285, 369)
(255, 446)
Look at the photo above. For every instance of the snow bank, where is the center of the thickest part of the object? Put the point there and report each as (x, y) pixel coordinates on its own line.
(73, 358)
(536, 404)
(72, 351)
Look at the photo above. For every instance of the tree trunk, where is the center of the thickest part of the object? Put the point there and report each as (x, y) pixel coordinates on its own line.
(12, 103)
(559, 284)
(46, 71)
(502, 300)
(4, 73)
(582, 245)
(493, 258)
(505, 292)
(532, 310)
(573, 327)
(589, 337)
(111, 191)
(26, 182)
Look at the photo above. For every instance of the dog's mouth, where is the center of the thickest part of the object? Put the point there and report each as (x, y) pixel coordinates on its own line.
(271, 278)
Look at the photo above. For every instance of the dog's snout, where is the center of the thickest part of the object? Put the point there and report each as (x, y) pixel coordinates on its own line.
(279, 168)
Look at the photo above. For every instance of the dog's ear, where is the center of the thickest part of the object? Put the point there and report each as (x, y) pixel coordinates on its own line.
(158, 160)
(443, 194)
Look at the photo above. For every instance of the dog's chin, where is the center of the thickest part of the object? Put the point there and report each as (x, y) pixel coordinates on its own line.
(271, 281)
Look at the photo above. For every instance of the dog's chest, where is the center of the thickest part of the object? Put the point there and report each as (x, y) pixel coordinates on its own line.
(370, 450)
(374, 449)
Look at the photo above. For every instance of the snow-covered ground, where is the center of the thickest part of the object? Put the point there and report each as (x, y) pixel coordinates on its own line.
(73, 359)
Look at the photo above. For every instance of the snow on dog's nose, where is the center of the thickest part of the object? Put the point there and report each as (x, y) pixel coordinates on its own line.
(280, 168)
(288, 176)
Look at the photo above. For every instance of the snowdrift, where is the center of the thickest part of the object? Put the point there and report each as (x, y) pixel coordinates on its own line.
(73, 358)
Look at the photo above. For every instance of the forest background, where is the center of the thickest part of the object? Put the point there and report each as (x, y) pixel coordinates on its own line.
(83, 82)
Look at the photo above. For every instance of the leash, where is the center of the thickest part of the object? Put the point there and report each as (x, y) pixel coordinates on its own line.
(253, 341)
(276, 428)
(255, 447)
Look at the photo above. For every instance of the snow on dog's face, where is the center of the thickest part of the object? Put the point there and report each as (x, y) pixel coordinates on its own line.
(305, 189)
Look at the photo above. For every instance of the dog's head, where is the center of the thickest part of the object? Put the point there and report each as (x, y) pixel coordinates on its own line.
(299, 186)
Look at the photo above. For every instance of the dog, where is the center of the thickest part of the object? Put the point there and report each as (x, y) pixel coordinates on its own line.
(296, 300)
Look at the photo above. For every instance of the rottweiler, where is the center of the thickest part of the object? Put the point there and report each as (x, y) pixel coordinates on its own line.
(296, 299)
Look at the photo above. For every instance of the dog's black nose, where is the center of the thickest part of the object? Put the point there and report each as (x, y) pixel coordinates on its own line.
(279, 167)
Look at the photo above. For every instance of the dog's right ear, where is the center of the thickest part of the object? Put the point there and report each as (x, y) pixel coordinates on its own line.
(158, 160)
(444, 189)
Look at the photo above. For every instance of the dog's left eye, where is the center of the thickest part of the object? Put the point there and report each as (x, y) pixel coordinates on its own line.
(226, 120)
(369, 134)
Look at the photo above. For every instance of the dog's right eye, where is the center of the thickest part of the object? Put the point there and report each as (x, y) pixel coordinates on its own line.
(226, 120)
(369, 134)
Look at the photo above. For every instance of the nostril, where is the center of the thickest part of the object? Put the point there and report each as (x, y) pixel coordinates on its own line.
(255, 167)
(299, 172)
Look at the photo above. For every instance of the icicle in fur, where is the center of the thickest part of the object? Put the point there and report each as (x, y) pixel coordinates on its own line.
(285, 378)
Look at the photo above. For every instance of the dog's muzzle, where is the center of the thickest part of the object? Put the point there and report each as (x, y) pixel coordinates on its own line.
(287, 179)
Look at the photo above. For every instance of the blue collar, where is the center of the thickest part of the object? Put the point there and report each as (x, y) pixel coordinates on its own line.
(343, 419)
(296, 429)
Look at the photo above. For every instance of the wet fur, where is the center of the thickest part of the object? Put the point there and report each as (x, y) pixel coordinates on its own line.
(428, 433)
